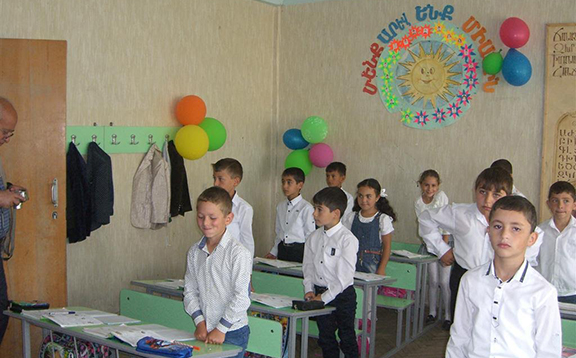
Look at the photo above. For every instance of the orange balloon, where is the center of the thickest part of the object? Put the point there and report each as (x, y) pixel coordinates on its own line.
(190, 110)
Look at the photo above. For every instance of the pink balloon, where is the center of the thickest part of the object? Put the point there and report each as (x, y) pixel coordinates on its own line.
(514, 32)
(321, 155)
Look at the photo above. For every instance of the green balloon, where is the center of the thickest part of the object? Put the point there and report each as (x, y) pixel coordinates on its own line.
(492, 63)
(299, 159)
(314, 129)
(216, 133)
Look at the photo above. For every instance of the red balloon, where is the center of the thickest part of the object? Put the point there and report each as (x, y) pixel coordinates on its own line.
(514, 32)
(191, 110)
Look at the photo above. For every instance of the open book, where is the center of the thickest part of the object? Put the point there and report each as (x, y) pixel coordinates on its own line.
(408, 254)
(72, 319)
(364, 276)
(132, 334)
(277, 263)
(272, 300)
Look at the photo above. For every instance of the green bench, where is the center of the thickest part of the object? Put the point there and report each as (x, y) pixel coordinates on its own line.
(405, 275)
(265, 335)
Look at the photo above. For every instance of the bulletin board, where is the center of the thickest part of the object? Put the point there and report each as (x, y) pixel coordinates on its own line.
(559, 127)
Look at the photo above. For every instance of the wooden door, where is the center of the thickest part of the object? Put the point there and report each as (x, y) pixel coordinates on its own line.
(33, 78)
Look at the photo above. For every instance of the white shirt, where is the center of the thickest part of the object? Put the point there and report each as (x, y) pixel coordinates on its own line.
(216, 284)
(468, 227)
(294, 222)
(516, 318)
(330, 261)
(439, 200)
(385, 223)
(558, 256)
(241, 225)
(349, 202)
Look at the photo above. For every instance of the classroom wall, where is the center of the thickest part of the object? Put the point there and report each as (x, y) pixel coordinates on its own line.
(322, 47)
(128, 63)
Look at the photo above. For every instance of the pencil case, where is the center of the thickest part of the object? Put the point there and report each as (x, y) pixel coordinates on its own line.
(19, 306)
(163, 348)
(307, 305)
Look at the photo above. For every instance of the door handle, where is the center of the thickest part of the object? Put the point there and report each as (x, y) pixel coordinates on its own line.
(55, 192)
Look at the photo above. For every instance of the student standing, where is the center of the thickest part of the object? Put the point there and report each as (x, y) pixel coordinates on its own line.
(218, 272)
(328, 267)
(294, 219)
(335, 177)
(505, 308)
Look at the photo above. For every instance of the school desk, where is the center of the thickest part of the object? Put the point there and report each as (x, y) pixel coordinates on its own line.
(293, 315)
(421, 264)
(369, 287)
(206, 350)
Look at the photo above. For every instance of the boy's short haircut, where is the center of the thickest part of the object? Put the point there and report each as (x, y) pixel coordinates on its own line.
(336, 167)
(217, 196)
(230, 165)
(495, 179)
(296, 173)
(504, 164)
(333, 198)
(518, 204)
(562, 187)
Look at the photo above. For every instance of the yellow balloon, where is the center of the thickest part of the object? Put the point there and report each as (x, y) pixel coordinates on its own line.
(191, 142)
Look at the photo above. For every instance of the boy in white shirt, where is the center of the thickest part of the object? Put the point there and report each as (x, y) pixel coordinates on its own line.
(329, 265)
(294, 219)
(467, 223)
(218, 272)
(558, 251)
(505, 308)
(335, 177)
(227, 174)
(507, 166)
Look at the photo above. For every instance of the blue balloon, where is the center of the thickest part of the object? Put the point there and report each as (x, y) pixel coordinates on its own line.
(293, 139)
(516, 68)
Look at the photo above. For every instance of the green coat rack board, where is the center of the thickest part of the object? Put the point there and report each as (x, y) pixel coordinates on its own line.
(114, 139)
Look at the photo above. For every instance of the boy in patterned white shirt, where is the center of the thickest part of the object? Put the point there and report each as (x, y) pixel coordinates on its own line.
(217, 275)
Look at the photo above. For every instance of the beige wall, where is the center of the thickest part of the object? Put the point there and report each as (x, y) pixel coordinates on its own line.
(322, 47)
(128, 63)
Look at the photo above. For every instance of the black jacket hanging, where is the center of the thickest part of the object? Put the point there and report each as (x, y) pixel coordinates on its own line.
(180, 200)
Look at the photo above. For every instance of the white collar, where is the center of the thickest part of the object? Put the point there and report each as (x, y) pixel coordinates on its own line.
(294, 201)
(333, 229)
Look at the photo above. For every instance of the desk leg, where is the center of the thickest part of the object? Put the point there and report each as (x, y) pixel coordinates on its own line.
(26, 339)
(304, 338)
(423, 299)
(292, 338)
(418, 294)
(374, 317)
(367, 294)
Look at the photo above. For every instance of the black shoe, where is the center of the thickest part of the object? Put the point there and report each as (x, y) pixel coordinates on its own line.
(430, 319)
(446, 325)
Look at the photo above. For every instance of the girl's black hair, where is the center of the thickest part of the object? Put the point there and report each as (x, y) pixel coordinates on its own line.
(429, 173)
(383, 205)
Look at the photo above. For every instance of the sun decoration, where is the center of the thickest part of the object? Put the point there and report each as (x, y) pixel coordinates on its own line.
(429, 75)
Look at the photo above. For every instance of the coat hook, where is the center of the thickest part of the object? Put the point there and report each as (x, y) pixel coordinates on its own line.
(73, 138)
(150, 138)
(133, 139)
(94, 137)
(114, 137)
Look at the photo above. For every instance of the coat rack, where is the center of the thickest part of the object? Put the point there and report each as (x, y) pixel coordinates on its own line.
(114, 139)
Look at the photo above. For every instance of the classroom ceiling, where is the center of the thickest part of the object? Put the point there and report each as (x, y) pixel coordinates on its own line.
(289, 2)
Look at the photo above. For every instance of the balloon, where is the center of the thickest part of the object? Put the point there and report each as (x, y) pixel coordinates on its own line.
(516, 68)
(299, 159)
(514, 32)
(314, 129)
(215, 131)
(492, 64)
(293, 139)
(191, 142)
(321, 155)
(190, 110)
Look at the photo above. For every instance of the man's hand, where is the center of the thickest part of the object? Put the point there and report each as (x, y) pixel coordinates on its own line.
(14, 187)
(270, 256)
(8, 199)
(200, 333)
(448, 258)
(309, 296)
(215, 337)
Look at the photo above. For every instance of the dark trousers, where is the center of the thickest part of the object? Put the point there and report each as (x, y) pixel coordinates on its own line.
(341, 320)
(291, 252)
(3, 301)
(455, 277)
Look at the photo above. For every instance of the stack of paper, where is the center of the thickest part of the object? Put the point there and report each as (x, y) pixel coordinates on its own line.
(72, 319)
(277, 263)
(408, 254)
(272, 300)
(364, 276)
